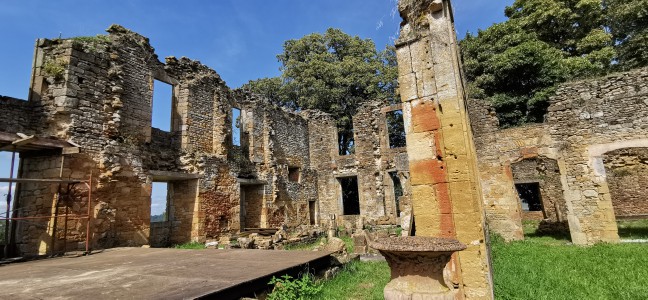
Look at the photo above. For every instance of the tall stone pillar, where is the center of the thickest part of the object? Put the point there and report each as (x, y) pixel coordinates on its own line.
(445, 189)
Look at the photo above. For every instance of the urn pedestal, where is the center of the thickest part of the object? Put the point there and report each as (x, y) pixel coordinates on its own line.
(417, 265)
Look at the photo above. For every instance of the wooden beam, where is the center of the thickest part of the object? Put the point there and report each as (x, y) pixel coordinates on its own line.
(27, 180)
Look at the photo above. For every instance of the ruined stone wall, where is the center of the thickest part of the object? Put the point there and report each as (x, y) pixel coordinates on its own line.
(16, 115)
(627, 177)
(503, 158)
(371, 163)
(322, 134)
(588, 119)
(98, 94)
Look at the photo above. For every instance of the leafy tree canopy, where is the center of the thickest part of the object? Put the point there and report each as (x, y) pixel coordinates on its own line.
(333, 72)
(517, 64)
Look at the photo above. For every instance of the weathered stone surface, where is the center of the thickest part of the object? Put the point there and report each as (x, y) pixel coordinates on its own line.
(334, 245)
(440, 147)
(417, 266)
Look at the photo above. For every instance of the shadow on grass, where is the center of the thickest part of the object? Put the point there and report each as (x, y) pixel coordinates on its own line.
(633, 229)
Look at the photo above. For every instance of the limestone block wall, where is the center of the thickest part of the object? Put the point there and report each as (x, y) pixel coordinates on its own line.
(370, 163)
(588, 119)
(627, 176)
(513, 155)
(446, 193)
(16, 115)
(322, 134)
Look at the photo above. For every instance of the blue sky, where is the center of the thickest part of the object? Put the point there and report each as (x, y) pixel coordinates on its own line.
(238, 38)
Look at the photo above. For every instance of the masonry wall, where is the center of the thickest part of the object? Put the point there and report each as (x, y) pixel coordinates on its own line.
(627, 176)
(370, 163)
(16, 115)
(97, 93)
(588, 119)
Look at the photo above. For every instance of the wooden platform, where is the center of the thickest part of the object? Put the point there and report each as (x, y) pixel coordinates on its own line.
(140, 273)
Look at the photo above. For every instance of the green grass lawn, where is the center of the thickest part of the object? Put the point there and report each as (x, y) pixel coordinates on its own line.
(541, 267)
(549, 267)
(358, 280)
(633, 229)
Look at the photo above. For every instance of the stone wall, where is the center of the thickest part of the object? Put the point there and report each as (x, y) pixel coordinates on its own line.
(16, 115)
(588, 119)
(544, 172)
(627, 176)
(594, 133)
(371, 163)
(97, 93)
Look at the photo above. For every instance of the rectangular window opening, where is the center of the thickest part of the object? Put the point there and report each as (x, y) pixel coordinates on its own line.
(398, 190)
(350, 195)
(396, 129)
(346, 142)
(293, 174)
(529, 194)
(162, 105)
(160, 202)
(311, 211)
(236, 126)
(7, 191)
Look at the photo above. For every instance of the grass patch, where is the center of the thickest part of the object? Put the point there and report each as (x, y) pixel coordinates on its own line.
(357, 280)
(633, 229)
(549, 268)
(348, 242)
(192, 245)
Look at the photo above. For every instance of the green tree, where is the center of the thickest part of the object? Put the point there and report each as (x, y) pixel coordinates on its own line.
(333, 72)
(517, 64)
(628, 22)
(514, 70)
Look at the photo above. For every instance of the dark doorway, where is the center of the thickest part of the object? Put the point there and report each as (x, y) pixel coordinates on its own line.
(350, 196)
(529, 194)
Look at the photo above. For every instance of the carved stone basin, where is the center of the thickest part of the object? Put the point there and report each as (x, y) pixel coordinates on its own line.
(417, 265)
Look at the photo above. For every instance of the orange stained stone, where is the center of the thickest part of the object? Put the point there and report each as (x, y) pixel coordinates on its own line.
(443, 197)
(447, 226)
(424, 117)
(429, 171)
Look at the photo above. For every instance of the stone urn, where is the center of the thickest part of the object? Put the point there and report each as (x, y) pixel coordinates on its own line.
(417, 265)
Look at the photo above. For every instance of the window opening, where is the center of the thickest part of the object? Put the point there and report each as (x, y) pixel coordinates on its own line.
(162, 105)
(396, 129)
(311, 210)
(350, 195)
(159, 202)
(398, 190)
(529, 194)
(346, 142)
(7, 191)
(293, 174)
(236, 127)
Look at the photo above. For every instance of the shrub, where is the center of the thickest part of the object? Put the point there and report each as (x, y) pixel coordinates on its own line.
(287, 288)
